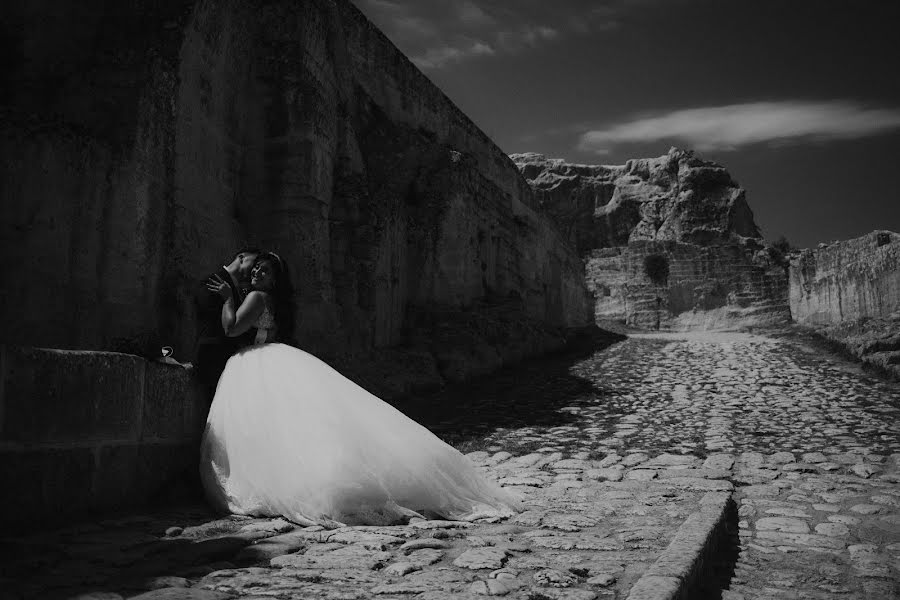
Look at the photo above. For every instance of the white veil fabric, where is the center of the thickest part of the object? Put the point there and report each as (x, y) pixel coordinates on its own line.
(288, 435)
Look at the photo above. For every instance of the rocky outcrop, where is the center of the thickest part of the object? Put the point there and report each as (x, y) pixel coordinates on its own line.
(849, 291)
(677, 197)
(686, 215)
(142, 144)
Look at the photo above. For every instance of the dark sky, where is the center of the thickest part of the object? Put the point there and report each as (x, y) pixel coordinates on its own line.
(799, 99)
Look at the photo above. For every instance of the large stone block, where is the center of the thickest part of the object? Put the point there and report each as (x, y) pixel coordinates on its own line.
(135, 474)
(79, 436)
(45, 484)
(65, 395)
(171, 409)
(118, 481)
(51, 484)
(166, 468)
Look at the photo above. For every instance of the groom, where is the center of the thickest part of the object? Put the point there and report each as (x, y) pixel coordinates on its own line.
(214, 348)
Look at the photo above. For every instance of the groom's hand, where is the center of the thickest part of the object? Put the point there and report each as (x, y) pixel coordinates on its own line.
(217, 285)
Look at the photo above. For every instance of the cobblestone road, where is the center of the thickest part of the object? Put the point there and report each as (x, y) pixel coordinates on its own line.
(612, 453)
(811, 441)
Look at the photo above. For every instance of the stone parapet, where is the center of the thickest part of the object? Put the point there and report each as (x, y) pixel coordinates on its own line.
(91, 431)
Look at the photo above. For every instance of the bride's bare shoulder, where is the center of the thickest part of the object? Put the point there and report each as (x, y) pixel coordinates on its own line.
(259, 297)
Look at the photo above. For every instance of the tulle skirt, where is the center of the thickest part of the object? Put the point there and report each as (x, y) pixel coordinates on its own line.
(288, 435)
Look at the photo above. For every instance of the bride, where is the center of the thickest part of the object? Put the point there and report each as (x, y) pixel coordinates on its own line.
(288, 435)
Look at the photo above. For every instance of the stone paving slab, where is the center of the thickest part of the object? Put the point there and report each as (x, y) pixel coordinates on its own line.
(578, 538)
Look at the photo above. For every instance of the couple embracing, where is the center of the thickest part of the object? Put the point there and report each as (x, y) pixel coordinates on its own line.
(289, 436)
(230, 285)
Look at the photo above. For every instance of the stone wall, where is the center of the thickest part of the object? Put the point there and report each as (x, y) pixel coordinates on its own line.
(849, 292)
(83, 432)
(143, 143)
(846, 281)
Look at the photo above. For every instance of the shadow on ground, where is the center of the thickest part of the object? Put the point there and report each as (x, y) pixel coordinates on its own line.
(123, 553)
(529, 394)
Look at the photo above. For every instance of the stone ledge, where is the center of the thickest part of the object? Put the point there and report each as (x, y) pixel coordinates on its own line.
(654, 587)
(52, 396)
(84, 431)
(680, 565)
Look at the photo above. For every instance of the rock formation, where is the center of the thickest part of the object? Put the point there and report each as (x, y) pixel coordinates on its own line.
(685, 213)
(676, 197)
(143, 143)
(849, 291)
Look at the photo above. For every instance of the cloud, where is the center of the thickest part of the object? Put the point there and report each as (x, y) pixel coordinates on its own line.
(526, 37)
(435, 34)
(412, 26)
(735, 125)
(437, 57)
(471, 14)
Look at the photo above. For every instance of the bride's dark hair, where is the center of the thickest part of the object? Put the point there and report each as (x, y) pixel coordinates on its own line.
(282, 297)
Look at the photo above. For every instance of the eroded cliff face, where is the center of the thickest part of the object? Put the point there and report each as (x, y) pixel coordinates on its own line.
(850, 292)
(143, 144)
(677, 197)
(847, 281)
(707, 287)
(679, 210)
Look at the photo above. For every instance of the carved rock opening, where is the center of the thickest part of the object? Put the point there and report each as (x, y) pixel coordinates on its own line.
(656, 268)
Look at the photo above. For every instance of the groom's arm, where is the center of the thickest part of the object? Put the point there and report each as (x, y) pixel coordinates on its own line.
(208, 306)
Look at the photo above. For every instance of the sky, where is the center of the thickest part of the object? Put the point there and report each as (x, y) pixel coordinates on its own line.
(798, 99)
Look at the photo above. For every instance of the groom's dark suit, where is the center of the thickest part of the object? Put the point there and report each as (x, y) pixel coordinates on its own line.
(214, 348)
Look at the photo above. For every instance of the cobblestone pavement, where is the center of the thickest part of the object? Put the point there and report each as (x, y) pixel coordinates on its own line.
(612, 454)
(810, 440)
(577, 540)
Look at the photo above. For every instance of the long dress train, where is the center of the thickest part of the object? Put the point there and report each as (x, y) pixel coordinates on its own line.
(288, 435)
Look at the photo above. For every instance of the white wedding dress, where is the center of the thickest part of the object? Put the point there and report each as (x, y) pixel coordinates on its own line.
(288, 435)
